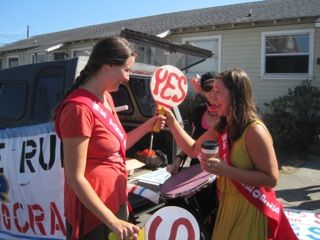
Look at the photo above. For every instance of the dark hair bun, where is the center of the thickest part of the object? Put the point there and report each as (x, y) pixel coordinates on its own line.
(208, 76)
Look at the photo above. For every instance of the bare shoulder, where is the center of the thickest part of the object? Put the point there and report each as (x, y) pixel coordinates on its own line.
(257, 132)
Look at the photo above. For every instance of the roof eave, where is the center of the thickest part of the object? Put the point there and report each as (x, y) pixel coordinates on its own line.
(17, 49)
(155, 41)
(246, 24)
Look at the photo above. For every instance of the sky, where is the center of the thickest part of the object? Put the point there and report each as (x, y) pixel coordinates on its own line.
(45, 16)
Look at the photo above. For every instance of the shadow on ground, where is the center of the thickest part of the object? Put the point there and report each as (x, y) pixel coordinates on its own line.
(301, 195)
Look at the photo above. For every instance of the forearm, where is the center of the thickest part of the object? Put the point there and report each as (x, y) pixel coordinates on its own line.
(91, 200)
(136, 134)
(183, 139)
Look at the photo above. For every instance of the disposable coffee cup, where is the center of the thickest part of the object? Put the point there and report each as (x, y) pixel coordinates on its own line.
(210, 148)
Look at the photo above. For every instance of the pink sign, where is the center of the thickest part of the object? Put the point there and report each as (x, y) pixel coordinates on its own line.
(168, 86)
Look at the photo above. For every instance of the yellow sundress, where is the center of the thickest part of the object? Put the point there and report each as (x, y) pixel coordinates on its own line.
(237, 218)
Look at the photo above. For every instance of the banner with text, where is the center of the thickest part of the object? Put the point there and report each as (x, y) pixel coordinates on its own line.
(31, 183)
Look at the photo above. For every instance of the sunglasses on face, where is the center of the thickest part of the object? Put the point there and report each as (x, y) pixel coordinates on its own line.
(207, 88)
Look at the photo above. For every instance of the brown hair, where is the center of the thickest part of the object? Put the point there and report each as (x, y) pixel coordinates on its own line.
(111, 50)
(244, 110)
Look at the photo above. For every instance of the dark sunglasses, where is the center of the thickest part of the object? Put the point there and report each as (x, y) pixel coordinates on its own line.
(207, 88)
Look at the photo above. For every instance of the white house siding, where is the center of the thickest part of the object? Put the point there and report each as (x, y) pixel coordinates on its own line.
(316, 70)
(25, 56)
(242, 48)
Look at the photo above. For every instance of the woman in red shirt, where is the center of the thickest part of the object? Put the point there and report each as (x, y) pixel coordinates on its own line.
(94, 145)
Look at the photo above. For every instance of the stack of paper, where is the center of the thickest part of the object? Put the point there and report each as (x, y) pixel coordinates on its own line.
(155, 177)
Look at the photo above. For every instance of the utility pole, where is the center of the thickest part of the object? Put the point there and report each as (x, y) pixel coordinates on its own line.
(27, 31)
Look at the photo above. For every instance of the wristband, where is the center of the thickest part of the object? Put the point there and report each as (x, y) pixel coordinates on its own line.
(181, 156)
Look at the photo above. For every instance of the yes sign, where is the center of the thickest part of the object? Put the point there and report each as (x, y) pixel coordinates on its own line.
(168, 86)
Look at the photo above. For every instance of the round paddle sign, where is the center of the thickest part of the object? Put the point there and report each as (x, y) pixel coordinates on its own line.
(172, 223)
(168, 86)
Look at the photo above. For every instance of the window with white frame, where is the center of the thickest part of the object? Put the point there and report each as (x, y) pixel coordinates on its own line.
(81, 52)
(212, 43)
(38, 57)
(13, 61)
(287, 53)
(143, 54)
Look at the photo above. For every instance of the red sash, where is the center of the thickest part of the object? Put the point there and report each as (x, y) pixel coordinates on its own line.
(99, 110)
(262, 198)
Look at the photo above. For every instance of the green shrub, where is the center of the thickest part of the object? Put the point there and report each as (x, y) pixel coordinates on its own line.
(294, 119)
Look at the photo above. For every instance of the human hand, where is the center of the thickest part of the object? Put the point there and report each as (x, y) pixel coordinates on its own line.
(156, 122)
(212, 164)
(169, 116)
(124, 230)
(174, 167)
(195, 81)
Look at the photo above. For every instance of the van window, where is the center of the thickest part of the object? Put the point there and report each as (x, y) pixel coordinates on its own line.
(48, 92)
(13, 102)
(141, 90)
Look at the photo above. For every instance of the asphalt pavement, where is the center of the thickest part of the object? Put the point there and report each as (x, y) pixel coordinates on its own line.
(299, 182)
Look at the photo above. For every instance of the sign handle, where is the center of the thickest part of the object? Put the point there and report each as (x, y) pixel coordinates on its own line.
(160, 111)
(114, 236)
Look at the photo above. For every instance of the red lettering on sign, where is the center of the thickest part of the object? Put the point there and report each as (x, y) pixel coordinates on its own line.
(153, 228)
(172, 86)
(166, 87)
(25, 227)
(36, 219)
(55, 215)
(174, 229)
(6, 216)
(184, 222)
(159, 80)
(182, 81)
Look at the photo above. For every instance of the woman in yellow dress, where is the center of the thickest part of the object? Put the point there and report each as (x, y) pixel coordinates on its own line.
(247, 163)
